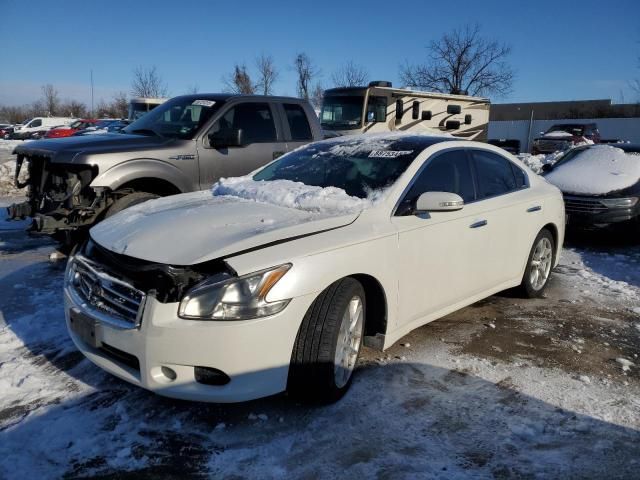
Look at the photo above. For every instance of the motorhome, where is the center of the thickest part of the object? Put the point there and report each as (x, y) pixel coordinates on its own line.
(379, 107)
(139, 106)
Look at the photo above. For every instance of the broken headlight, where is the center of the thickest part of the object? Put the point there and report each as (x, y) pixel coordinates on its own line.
(240, 298)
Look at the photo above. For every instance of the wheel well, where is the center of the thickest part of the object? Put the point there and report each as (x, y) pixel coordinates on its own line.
(554, 233)
(151, 185)
(376, 307)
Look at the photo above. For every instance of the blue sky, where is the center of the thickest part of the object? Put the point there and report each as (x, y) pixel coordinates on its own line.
(561, 49)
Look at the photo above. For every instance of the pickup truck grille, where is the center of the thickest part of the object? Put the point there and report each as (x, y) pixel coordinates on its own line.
(583, 205)
(111, 300)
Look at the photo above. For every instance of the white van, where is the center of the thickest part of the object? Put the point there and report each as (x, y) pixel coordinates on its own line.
(39, 124)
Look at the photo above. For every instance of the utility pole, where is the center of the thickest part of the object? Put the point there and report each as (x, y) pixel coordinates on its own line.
(92, 93)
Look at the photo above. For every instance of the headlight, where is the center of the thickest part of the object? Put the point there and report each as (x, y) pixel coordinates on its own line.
(619, 202)
(240, 298)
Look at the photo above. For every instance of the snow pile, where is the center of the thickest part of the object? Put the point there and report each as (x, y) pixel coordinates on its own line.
(7, 174)
(285, 193)
(535, 162)
(597, 170)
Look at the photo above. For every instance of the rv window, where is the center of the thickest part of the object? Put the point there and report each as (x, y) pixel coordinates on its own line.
(415, 110)
(377, 109)
(341, 112)
(399, 109)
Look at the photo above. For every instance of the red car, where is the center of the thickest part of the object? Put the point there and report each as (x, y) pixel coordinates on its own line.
(67, 131)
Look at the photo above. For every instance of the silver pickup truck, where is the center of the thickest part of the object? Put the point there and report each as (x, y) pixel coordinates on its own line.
(183, 145)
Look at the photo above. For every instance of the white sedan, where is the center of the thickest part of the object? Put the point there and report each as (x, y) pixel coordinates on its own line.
(273, 281)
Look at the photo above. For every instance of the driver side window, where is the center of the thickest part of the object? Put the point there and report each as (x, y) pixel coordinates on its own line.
(446, 172)
(254, 119)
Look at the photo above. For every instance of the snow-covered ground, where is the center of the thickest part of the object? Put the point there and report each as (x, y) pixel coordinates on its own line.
(506, 388)
(8, 168)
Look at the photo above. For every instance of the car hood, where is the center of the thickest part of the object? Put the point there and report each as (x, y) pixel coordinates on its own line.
(197, 227)
(63, 150)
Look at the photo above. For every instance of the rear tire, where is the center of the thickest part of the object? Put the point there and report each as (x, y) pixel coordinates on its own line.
(130, 200)
(539, 264)
(328, 343)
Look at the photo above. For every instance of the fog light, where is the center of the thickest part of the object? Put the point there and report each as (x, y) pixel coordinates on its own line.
(169, 373)
(210, 376)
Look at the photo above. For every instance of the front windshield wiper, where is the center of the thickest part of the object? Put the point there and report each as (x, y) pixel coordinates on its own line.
(145, 131)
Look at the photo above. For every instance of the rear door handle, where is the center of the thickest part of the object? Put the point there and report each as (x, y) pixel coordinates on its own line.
(478, 224)
(536, 208)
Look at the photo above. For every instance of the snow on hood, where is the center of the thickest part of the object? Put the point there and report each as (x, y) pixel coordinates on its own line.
(196, 227)
(286, 193)
(597, 170)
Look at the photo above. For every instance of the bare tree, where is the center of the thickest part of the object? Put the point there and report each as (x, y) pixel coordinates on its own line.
(192, 89)
(148, 83)
(267, 74)
(119, 105)
(50, 99)
(316, 96)
(350, 74)
(306, 72)
(239, 81)
(463, 62)
(73, 108)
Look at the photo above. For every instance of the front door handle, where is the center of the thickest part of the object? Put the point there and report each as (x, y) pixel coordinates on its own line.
(536, 208)
(478, 224)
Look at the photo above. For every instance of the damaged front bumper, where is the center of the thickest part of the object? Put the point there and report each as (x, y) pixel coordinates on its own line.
(59, 199)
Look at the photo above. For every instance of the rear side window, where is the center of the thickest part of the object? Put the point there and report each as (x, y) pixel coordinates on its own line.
(494, 174)
(298, 123)
(255, 120)
(447, 172)
(521, 177)
(36, 123)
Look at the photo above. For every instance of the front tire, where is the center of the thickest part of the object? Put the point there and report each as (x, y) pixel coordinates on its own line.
(539, 265)
(129, 200)
(328, 343)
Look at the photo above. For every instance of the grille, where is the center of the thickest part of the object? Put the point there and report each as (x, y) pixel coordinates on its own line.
(114, 300)
(583, 205)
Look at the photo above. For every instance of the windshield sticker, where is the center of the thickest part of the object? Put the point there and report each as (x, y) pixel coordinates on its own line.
(204, 103)
(389, 153)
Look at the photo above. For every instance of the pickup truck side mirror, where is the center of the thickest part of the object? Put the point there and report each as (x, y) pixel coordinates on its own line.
(226, 138)
(438, 202)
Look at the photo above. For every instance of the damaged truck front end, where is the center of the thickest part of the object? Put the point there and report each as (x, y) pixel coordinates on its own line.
(60, 200)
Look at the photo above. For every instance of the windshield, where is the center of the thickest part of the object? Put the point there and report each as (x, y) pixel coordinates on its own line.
(572, 129)
(342, 112)
(357, 166)
(181, 118)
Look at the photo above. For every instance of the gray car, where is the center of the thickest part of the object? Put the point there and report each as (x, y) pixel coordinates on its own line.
(183, 145)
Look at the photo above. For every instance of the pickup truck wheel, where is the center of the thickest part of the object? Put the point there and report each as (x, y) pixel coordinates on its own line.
(129, 201)
(328, 343)
(539, 265)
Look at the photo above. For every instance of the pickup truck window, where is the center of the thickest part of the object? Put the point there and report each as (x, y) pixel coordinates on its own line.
(298, 123)
(255, 120)
(178, 118)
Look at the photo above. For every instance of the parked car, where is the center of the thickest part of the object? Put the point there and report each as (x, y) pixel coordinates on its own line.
(271, 282)
(67, 131)
(104, 126)
(183, 145)
(600, 184)
(511, 145)
(6, 131)
(38, 126)
(565, 136)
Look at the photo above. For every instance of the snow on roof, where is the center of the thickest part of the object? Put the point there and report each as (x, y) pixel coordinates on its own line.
(597, 170)
(558, 133)
(285, 193)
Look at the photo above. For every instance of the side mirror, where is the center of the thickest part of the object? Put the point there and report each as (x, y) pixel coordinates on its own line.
(546, 167)
(438, 202)
(226, 138)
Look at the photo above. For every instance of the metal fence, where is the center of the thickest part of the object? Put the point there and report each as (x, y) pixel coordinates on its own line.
(627, 129)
